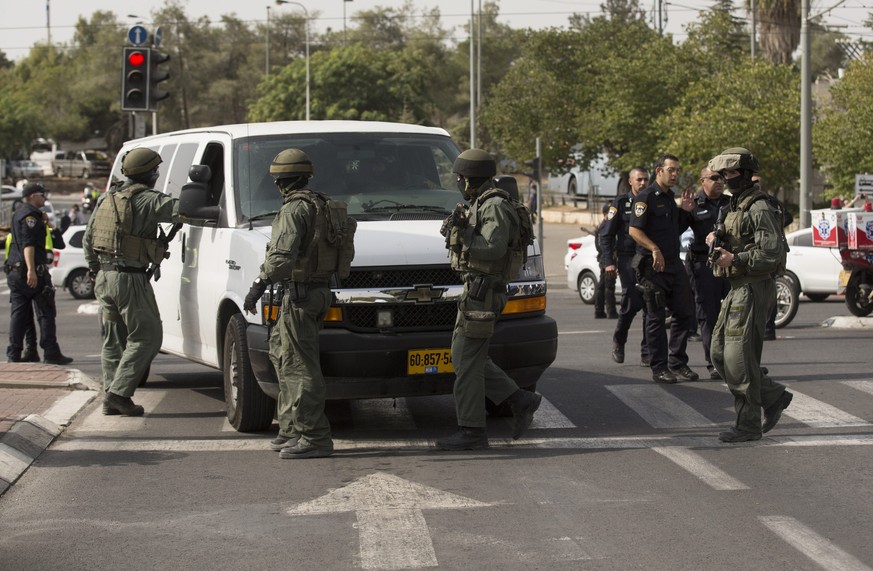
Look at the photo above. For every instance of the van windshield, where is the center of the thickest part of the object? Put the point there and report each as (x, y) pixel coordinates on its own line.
(378, 174)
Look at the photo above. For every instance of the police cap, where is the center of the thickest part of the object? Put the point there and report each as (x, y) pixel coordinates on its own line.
(33, 188)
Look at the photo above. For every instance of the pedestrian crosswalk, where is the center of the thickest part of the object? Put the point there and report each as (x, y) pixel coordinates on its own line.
(672, 414)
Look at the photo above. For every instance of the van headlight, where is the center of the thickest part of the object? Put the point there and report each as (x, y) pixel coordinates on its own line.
(533, 270)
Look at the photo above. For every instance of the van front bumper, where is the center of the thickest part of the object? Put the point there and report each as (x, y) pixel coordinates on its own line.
(372, 365)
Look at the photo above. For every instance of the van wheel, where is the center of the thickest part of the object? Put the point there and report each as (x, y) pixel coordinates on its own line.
(248, 408)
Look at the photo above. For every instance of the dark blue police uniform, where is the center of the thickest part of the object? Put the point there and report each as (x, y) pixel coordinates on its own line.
(709, 291)
(616, 243)
(655, 213)
(28, 229)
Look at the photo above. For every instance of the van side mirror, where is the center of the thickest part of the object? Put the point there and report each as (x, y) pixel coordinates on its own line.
(194, 196)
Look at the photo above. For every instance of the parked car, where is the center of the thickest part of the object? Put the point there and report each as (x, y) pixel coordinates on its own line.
(810, 270)
(24, 169)
(69, 269)
(82, 163)
(583, 271)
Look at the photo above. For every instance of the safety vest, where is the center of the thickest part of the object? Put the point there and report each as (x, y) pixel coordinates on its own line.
(330, 243)
(49, 244)
(113, 222)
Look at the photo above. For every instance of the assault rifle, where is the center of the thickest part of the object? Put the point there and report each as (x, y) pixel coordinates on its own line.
(719, 231)
(457, 219)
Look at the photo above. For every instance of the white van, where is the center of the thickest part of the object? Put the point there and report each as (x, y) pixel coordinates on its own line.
(389, 330)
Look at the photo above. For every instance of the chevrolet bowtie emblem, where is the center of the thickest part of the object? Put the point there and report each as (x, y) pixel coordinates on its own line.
(424, 293)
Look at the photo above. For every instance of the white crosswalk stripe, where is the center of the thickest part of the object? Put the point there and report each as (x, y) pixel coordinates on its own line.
(710, 474)
(863, 386)
(820, 549)
(658, 407)
(818, 414)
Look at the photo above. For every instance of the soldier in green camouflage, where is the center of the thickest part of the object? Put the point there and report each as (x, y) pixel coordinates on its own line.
(302, 257)
(487, 248)
(752, 252)
(122, 245)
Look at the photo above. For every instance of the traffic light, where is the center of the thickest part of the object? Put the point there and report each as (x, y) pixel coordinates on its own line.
(134, 80)
(156, 76)
(534, 165)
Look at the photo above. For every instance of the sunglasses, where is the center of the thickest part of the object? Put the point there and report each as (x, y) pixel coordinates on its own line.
(713, 178)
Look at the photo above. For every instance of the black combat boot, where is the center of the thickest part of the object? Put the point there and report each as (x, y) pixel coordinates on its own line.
(466, 438)
(121, 405)
(774, 412)
(523, 404)
(108, 410)
(59, 359)
(617, 352)
(31, 355)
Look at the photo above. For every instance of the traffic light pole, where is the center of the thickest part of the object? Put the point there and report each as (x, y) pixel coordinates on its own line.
(539, 163)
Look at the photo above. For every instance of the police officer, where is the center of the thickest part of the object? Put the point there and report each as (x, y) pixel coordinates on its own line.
(703, 213)
(301, 258)
(754, 252)
(656, 226)
(604, 294)
(616, 243)
(487, 248)
(122, 248)
(30, 284)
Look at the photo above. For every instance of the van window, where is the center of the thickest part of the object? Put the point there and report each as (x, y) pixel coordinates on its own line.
(166, 153)
(179, 169)
(380, 175)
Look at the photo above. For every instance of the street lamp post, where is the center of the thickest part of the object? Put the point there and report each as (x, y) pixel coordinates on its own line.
(344, 21)
(268, 43)
(306, 27)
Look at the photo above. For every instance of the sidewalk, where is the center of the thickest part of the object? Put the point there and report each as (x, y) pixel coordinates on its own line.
(36, 402)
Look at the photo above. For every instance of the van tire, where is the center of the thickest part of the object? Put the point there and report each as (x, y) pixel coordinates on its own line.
(248, 408)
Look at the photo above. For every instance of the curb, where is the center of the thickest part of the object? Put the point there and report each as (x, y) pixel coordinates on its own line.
(27, 438)
(76, 380)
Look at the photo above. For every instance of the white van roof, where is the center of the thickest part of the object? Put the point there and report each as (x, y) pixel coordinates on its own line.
(302, 127)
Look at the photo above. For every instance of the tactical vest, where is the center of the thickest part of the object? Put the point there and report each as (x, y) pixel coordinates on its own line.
(738, 242)
(113, 222)
(330, 244)
(508, 266)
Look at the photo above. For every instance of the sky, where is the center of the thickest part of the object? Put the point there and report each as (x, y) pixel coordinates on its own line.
(23, 22)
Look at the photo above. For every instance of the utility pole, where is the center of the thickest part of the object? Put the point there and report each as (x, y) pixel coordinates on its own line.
(479, 58)
(472, 78)
(805, 117)
(267, 71)
(48, 21)
(754, 16)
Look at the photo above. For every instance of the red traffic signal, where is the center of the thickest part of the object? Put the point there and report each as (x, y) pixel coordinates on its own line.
(134, 79)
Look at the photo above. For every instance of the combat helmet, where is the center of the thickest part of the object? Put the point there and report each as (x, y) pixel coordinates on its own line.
(291, 163)
(475, 163)
(139, 161)
(735, 158)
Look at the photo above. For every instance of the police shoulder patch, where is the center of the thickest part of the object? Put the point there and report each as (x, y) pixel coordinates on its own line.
(30, 221)
(612, 211)
(640, 208)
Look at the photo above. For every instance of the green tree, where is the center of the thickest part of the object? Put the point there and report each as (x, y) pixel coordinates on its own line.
(844, 128)
(754, 105)
(778, 28)
(718, 39)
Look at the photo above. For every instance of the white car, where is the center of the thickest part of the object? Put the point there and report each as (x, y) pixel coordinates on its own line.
(583, 271)
(810, 270)
(69, 269)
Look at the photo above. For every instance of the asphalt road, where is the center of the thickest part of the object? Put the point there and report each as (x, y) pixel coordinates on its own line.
(616, 472)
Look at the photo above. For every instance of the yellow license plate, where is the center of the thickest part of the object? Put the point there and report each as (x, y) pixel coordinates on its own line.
(429, 362)
(844, 277)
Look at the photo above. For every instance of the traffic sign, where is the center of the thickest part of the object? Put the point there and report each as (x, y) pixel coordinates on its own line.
(137, 35)
(864, 183)
(159, 34)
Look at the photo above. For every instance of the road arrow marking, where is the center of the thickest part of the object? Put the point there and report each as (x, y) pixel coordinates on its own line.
(392, 530)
